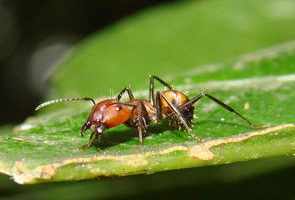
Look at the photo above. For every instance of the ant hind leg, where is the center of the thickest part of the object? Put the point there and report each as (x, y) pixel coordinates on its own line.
(228, 108)
(219, 102)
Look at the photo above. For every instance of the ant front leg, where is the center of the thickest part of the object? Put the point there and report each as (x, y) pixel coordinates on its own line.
(95, 135)
(152, 97)
(129, 92)
(92, 138)
(85, 126)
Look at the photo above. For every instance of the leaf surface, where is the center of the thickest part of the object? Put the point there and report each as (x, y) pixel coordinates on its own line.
(47, 147)
(176, 38)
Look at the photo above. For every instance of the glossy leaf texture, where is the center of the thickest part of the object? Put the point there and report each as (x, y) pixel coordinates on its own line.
(170, 39)
(260, 85)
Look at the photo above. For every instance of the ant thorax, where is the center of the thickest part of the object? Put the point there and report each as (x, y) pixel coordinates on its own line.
(144, 110)
(151, 111)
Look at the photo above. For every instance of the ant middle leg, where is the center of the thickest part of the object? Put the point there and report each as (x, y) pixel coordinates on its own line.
(91, 140)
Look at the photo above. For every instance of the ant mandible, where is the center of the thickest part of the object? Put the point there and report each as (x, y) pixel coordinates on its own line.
(173, 104)
(110, 113)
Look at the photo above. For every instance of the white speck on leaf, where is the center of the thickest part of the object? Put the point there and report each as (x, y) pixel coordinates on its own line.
(247, 106)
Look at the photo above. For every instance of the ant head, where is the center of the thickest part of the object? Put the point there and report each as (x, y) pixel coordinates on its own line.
(97, 127)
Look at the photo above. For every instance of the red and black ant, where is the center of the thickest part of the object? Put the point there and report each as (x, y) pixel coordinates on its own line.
(138, 113)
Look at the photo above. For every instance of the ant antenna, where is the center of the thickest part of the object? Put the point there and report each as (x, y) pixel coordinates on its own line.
(47, 103)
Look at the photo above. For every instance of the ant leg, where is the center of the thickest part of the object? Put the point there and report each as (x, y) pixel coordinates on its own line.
(219, 102)
(141, 122)
(158, 107)
(140, 137)
(83, 129)
(178, 113)
(96, 134)
(152, 91)
(91, 139)
(85, 126)
(227, 107)
(129, 92)
(152, 97)
(192, 101)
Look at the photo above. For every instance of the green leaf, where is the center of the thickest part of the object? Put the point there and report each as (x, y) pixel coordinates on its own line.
(47, 147)
(172, 39)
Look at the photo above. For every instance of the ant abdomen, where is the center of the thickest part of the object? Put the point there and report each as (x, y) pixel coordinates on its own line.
(177, 107)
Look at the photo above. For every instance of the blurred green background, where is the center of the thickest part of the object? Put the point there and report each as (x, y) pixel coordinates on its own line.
(132, 39)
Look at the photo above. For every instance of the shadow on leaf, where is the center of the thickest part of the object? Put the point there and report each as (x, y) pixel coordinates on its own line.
(116, 137)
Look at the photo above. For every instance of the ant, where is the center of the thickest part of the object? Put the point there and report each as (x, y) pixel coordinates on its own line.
(177, 107)
(110, 113)
(139, 113)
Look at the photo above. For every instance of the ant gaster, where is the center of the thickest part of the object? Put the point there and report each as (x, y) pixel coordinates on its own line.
(177, 107)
